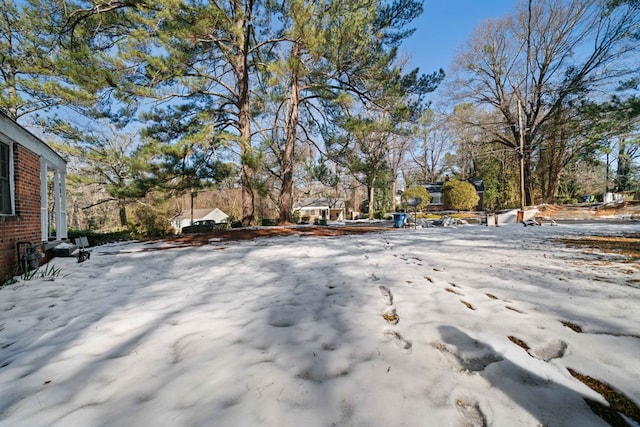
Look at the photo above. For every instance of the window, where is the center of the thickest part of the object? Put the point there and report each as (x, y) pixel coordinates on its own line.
(5, 179)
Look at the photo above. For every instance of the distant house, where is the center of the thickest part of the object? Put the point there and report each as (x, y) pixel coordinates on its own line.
(435, 190)
(317, 208)
(32, 195)
(187, 217)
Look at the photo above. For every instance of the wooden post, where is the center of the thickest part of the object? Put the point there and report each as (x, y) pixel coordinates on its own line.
(521, 133)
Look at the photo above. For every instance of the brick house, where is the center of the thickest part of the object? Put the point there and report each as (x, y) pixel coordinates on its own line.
(32, 194)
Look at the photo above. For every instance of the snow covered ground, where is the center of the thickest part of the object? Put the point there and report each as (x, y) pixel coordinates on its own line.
(301, 331)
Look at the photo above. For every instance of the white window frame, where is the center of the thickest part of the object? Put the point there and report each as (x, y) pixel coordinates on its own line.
(12, 207)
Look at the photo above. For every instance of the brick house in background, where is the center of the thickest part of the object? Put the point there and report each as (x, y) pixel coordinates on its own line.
(32, 194)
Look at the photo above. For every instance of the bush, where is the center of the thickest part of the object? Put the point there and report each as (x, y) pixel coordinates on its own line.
(459, 195)
(379, 214)
(148, 223)
(412, 193)
(96, 239)
(268, 222)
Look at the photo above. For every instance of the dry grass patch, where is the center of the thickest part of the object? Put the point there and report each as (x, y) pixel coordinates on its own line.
(627, 245)
(519, 342)
(572, 326)
(276, 231)
(618, 402)
(468, 305)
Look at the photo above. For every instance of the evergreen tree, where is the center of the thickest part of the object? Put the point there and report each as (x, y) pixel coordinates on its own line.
(335, 53)
(30, 77)
(187, 62)
(110, 159)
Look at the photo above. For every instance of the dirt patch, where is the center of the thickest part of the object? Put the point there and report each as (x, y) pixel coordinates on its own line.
(255, 232)
(627, 245)
(594, 211)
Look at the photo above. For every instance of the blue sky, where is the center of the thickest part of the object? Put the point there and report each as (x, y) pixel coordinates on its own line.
(444, 25)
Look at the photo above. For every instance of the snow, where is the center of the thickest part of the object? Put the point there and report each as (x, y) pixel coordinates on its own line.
(289, 331)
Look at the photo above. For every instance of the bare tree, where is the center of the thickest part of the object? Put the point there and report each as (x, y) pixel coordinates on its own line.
(530, 66)
(433, 142)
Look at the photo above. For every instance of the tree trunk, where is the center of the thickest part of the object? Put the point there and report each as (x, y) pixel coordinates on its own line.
(122, 211)
(526, 148)
(241, 67)
(285, 201)
(528, 181)
(371, 204)
(394, 190)
(624, 168)
(10, 83)
(355, 196)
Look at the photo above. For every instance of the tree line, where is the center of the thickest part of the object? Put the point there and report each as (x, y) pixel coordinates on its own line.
(279, 99)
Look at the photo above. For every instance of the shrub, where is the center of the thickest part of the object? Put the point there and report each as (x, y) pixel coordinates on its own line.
(412, 193)
(379, 214)
(96, 239)
(459, 195)
(268, 222)
(149, 223)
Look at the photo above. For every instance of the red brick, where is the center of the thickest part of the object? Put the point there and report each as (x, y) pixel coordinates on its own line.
(25, 225)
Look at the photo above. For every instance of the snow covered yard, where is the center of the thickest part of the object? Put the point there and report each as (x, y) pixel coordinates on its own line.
(465, 326)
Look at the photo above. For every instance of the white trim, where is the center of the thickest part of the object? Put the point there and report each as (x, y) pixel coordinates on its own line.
(56, 199)
(12, 185)
(16, 133)
(59, 202)
(61, 228)
(44, 211)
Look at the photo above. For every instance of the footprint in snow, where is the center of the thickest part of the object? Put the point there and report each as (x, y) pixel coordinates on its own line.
(553, 349)
(464, 353)
(471, 413)
(387, 296)
(391, 316)
(397, 339)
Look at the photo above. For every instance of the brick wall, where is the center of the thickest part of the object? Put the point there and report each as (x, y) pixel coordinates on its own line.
(25, 224)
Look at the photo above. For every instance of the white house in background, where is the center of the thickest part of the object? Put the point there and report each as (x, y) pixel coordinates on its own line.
(330, 209)
(188, 217)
